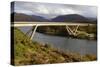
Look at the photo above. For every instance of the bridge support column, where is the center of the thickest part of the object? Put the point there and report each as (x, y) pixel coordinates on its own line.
(76, 29)
(33, 32)
(68, 30)
(72, 32)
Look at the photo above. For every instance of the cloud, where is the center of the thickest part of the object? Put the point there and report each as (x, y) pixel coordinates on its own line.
(54, 9)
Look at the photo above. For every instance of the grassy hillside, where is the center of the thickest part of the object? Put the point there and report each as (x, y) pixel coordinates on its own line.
(28, 52)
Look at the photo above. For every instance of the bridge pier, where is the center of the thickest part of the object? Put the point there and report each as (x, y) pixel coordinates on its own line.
(68, 30)
(72, 32)
(76, 29)
(33, 32)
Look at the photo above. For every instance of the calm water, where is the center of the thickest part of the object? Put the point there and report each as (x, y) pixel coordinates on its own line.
(75, 45)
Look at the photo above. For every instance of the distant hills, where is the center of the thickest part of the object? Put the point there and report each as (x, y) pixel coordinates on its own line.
(25, 17)
(70, 18)
(62, 18)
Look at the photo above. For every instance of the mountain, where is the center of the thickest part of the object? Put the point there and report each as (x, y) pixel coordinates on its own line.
(62, 18)
(93, 19)
(25, 17)
(70, 18)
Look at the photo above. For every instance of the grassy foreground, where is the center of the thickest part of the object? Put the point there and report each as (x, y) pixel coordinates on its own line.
(27, 52)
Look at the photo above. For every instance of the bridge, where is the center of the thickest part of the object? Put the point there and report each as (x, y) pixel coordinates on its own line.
(37, 24)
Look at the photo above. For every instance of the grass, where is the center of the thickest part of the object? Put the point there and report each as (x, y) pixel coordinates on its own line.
(27, 52)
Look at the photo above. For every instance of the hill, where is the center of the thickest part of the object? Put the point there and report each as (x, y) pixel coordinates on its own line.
(29, 52)
(70, 18)
(61, 18)
(25, 17)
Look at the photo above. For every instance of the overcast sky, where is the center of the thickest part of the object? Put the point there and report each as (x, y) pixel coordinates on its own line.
(49, 10)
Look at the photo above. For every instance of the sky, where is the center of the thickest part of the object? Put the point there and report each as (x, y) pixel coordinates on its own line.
(51, 10)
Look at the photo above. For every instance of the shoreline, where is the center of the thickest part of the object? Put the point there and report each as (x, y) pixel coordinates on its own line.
(28, 52)
(70, 36)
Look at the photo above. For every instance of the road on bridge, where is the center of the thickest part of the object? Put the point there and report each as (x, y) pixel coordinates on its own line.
(18, 24)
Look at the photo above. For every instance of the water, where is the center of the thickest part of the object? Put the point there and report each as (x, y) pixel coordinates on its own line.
(74, 45)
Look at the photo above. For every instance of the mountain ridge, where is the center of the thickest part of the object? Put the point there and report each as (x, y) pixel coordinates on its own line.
(25, 17)
(62, 18)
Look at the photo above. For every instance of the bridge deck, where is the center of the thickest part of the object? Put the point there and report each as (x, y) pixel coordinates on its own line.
(18, 24)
